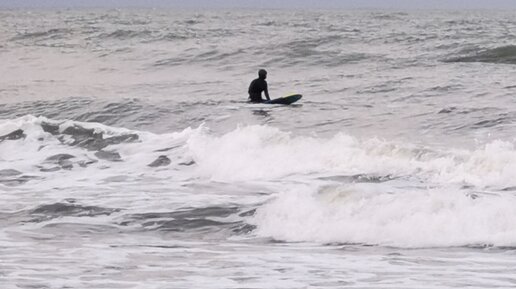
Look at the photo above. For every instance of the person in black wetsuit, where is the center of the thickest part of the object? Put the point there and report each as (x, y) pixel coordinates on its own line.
(257, 86)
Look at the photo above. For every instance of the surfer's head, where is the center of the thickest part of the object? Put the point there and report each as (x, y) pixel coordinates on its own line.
(262, 74)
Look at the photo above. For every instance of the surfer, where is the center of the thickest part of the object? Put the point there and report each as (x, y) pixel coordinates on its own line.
(257, 86)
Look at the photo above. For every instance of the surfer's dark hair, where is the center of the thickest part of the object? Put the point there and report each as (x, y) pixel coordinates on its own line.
(262, 72)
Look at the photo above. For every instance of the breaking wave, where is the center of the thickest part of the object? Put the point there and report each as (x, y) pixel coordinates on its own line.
(331, 190)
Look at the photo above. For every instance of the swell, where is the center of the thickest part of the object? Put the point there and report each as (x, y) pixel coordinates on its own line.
(126, 34)
(320, 50)
(203, 57)
(502, 55)
(125, 112)
(54, 33)
(90, 32)
(312, 41)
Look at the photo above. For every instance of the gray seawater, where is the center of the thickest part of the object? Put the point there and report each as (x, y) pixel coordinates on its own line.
(129, 157)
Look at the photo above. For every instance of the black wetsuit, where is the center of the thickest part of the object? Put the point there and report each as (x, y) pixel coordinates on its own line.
(255, 90)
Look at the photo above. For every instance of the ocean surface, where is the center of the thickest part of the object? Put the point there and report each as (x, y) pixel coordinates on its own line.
(130, 157)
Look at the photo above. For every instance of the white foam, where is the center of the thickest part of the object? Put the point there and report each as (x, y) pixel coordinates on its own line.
(253, 153)
(28, 155)
(265, 153)
(358, 214)
(422, 196)
(262, 152)
(436, 197)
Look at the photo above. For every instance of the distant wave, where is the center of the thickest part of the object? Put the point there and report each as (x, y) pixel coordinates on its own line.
(504, 54)
(126, 34)
(51, 33)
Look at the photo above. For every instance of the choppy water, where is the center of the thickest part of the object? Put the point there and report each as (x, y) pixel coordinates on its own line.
(129, 157)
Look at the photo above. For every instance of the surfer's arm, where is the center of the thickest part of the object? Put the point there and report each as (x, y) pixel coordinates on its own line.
(266, 92)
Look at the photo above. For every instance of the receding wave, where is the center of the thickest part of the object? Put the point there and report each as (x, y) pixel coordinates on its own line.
(208, 219)
(57, 210)
(504, 54)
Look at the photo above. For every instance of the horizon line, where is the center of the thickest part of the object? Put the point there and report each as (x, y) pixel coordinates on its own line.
(245, 7)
